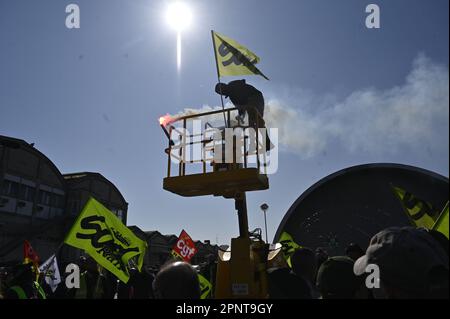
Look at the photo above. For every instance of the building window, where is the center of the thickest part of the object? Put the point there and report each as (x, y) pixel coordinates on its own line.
(75, 210)
(22, 191)
(44, 198)
(31, 191)
(26, 192)
(120, 214)
(58, 201)
(10, 188)
(42, 212)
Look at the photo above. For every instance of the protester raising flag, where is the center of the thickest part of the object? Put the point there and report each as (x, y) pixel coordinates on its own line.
(233, 58)
(441, 224)
(103, 236)
(184, 248)
(51, 272)
(420, 212)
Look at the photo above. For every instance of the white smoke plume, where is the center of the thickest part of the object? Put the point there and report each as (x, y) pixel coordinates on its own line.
(406, 117)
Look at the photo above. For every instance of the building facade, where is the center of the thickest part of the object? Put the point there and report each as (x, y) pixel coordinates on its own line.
(39, 204)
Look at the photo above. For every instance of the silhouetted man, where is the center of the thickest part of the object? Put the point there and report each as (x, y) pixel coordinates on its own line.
(176, 280)
(304, 265)
(412, 264)
(246, 98)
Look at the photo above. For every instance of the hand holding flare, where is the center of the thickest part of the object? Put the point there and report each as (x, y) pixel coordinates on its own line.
(163, 121)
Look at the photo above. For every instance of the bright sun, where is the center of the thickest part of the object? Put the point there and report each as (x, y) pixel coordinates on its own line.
(179, 16)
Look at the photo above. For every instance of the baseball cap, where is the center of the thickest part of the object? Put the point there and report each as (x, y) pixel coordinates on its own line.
(405, 256)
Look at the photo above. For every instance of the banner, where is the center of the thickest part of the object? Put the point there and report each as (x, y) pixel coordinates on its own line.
(419, 212)
(288, 246)
(103, 236)
(205, 287)
(51, 272)
(185, 247)
(233, 58)
(441, 224)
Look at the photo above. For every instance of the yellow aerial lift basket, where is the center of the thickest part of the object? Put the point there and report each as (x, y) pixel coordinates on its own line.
(195, 140)
(206, 157)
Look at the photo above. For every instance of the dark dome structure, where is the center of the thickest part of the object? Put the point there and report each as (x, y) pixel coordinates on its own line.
(355, 203)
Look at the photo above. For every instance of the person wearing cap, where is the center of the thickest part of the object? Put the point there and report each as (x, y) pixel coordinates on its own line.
(336, 280)
(412, 264)
(246, 98)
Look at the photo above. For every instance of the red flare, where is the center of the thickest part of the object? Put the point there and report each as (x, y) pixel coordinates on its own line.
(165, 120)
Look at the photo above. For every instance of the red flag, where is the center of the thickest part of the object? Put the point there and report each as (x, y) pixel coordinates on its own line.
(29, 255)
(185, 246)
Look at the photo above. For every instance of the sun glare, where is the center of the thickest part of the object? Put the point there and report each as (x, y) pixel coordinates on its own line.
(179, 16)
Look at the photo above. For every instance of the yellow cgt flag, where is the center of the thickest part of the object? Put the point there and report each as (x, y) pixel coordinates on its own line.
(103, 236)
(289, 246)
(441, 224)
(205, 287)
(233, 58)
(419, 212)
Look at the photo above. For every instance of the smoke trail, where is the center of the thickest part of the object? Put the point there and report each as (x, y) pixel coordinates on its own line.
(412, 116)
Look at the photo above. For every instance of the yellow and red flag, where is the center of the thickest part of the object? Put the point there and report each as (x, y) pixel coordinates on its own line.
(30, 256)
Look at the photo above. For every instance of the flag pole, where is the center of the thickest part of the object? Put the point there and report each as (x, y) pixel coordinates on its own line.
(218, 77)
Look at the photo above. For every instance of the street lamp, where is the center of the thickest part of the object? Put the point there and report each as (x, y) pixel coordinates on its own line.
(264, 207)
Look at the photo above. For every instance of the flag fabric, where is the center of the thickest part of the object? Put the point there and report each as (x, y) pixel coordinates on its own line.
(420, 212)
(289, 246)
(233, 58)
(184, 247)
(30, 256)
(51, 272)
(205, 287)
(441, 224)
(103, 236)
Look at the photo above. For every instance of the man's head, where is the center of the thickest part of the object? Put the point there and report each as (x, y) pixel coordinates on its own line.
(354, 251)
(304, 263)
(336, 280)
(228, 89)
(176, 280)
(222, 89)
(410, 260)
(284, 284)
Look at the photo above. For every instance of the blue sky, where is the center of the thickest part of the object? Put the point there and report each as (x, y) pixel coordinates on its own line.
(90, 98)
